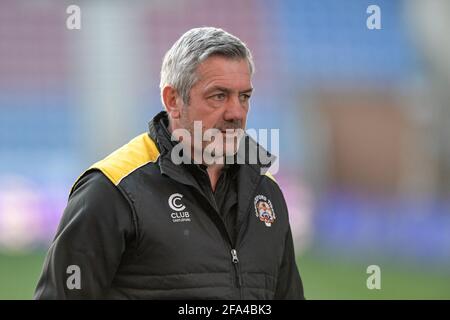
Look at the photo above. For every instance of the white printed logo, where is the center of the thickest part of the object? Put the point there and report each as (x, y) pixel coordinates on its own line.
(173, 199)
(176, 205)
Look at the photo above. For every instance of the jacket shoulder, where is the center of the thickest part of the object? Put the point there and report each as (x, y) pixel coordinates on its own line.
(271, 177)
(273, 185)
(123, 161)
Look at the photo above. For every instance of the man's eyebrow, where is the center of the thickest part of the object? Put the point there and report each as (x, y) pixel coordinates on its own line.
(226, 90)
(247, 90)
(218, 88)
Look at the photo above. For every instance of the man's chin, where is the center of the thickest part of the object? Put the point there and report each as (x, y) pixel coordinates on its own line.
(219, 155)
(230, 151)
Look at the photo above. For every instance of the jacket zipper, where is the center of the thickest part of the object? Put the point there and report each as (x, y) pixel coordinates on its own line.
(235, 260)
(222, 229)
(232, 245)
(234, 255)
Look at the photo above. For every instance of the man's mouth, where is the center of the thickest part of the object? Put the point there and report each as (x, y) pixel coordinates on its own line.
(230, 132)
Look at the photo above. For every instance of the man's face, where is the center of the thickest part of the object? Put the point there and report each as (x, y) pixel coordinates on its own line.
(219, 99)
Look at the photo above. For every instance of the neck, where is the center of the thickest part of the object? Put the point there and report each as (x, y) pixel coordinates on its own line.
(214, 172)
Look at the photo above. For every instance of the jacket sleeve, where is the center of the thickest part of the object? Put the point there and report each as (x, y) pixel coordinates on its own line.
(289, 284)
(90, 240)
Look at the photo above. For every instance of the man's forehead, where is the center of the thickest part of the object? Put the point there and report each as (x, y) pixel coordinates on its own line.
(222, 66)
(224, 72)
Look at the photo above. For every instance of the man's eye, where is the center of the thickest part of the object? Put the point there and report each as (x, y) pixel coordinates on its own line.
(244, 97)
(219, 97)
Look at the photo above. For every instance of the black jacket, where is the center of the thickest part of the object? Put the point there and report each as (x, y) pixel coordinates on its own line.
(140, 227)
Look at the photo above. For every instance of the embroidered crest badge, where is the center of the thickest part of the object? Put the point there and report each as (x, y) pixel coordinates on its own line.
(264, 210)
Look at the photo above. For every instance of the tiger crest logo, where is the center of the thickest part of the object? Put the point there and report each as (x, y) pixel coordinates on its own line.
(264, 210)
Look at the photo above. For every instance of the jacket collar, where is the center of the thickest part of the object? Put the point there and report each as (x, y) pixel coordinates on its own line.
(159, 133)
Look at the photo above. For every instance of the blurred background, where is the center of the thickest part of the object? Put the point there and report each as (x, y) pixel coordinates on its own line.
(363, 116)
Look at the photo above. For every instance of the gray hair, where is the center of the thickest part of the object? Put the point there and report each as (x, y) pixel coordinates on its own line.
(195, 46)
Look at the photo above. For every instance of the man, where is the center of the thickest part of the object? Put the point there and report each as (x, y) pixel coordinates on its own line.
(138, 224)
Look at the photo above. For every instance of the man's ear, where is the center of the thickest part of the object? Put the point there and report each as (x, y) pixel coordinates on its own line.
(172, 101)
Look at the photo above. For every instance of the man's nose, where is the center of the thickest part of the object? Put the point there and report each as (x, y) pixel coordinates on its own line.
(235, 110)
